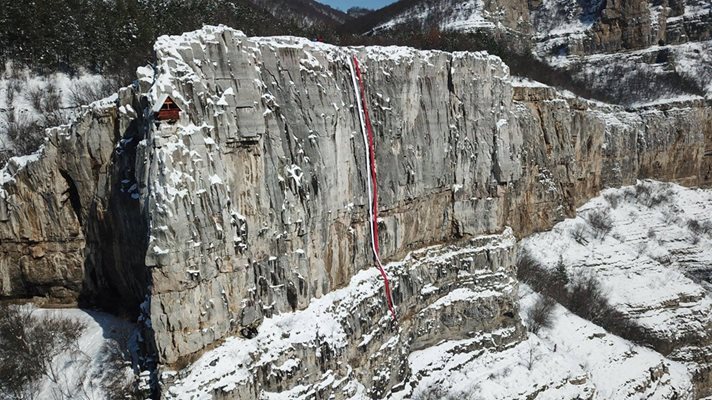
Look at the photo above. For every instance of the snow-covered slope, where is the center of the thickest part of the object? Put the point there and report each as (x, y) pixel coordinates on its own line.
(653, 264)
(99, 367)
(615, 367)
(451, 15)
(30, 102)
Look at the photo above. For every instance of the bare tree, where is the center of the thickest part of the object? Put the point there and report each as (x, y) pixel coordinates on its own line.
(541, 315)
(28, 346)
(600, 222)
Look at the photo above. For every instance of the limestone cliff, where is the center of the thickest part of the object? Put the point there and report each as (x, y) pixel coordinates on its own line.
(254, 202)
(628, 52)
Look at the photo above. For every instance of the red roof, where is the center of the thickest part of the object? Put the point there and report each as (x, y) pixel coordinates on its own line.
(169, 110)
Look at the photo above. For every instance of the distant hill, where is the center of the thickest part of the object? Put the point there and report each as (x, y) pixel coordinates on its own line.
(304, 13)
(629, 52)
(357, 12)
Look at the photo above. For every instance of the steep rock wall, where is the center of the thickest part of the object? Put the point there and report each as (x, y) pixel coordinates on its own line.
(289, 224)
(69, 228)
(254, 202)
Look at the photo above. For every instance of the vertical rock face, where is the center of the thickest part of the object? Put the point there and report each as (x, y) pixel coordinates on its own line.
(254, 202)
(259, 202)
(66, 224)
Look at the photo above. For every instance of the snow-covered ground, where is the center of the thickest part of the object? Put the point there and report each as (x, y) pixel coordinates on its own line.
(87, 372)
(617, 368)
(571, 359)
(528, 369)
(653, 264)
(27, 98)
(463, 16)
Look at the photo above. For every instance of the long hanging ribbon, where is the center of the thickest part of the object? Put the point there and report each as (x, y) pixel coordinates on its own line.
(367, 132)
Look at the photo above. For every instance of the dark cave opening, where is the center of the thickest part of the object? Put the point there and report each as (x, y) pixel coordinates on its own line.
(74, 199)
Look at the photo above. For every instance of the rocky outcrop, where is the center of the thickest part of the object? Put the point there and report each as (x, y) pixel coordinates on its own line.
(345, 343)
(69, 228)
(626, 52)
(254, 203)
(631, 51)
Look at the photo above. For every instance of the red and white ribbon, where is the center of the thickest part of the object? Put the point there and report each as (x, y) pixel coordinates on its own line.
(370, 148)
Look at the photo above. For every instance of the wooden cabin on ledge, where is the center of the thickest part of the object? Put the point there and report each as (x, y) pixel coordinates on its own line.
(166, 110)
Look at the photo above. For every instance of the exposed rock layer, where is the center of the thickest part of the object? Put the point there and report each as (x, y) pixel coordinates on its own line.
(346, 341)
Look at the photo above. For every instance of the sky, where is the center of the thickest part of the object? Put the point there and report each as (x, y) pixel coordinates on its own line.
(346, 4)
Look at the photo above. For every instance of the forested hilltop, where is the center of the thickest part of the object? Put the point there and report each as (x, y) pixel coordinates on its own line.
(113, 37)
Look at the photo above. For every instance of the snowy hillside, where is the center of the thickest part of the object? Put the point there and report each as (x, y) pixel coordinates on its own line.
(29, 103)
(615, 367)
(447, 15)
(649, 246)
(66, 354)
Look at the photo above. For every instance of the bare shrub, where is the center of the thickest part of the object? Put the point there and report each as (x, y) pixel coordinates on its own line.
(530, 357)
(52, 100)
(26, 135)
(694, 226)
(579, 233)
(670, 217)
(5, 156)
(619, 237)
(14, 86)
(641, 247)
(652, 234)
(663, 259)
(35, 96)
(612, 198)
(642, 191)
(28, 345)
(541, 314)
(529, 270)
(433, 393)
(697, 228)
(581, 294)
(586, 298)
(82, 92)
(551, 283)
(694, 238)
(629, 193)
(600, 222)
(118, 379)
(706, 227)
(660, 198)
(52, 119)
(651, 196)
